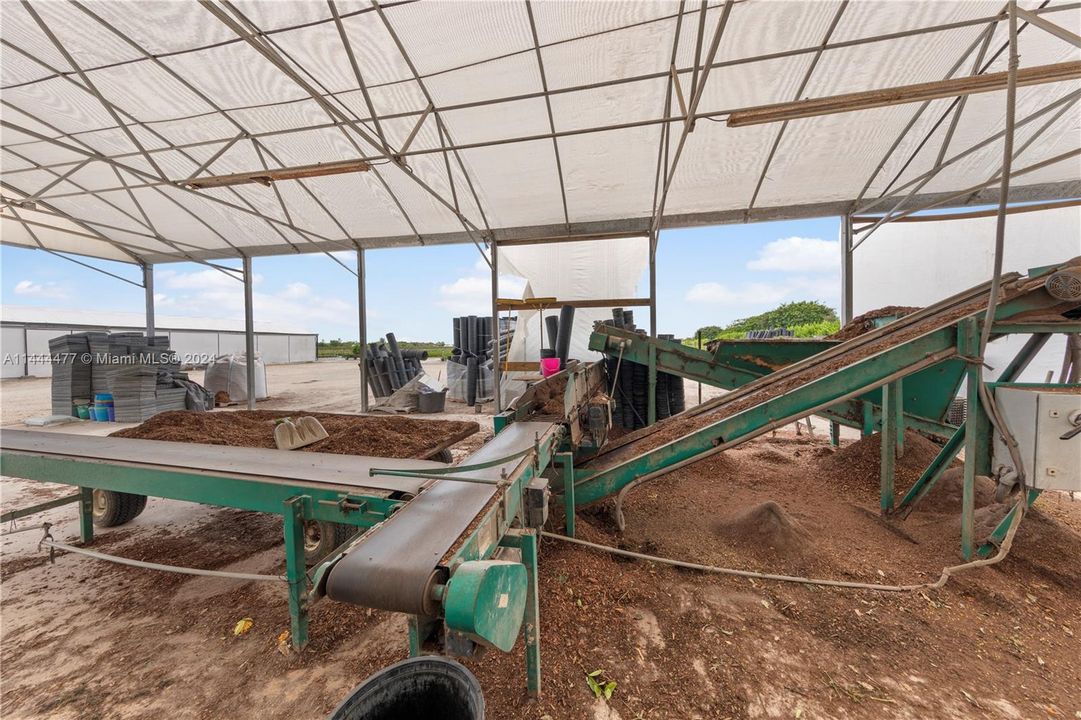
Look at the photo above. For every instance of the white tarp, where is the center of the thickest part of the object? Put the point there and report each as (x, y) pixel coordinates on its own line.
(923, 262)
(587, 270)
(189, 87)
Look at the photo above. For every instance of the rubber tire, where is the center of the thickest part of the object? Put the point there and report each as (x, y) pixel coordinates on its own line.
(331, 535)
(113, 508)
(443, 456)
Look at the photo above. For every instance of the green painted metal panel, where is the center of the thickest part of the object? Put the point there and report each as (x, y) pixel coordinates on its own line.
(735, 363)
(196, 487)
(800, 401)
(486, 600)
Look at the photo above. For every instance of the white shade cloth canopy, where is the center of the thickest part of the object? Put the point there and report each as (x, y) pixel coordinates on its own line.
(495, 120)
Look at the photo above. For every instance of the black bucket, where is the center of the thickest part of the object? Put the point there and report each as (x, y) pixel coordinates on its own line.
(432, 687)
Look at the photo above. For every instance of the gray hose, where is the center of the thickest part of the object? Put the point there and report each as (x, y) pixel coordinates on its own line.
(250, 577)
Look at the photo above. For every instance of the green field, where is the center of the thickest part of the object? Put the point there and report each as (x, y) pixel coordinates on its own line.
(350, 349)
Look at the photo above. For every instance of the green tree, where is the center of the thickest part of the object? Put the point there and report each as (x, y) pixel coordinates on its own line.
(787, 315)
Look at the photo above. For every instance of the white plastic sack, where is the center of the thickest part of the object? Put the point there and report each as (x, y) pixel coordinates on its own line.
(229, 373)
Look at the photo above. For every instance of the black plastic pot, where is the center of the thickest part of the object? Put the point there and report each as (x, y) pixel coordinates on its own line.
(420, 687)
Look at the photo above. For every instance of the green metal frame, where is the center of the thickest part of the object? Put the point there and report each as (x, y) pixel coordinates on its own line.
(295, 502)
(909, 385)
(735, 363)
(854, 380)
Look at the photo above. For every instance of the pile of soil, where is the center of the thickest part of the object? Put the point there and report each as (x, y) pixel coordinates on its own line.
(855, 468)
(390, 437)
(764, 526)
(945, 496)
(866, 322)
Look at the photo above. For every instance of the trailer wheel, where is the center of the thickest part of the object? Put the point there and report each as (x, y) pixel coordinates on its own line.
(113, 508)
(443, 456)
(321, 536)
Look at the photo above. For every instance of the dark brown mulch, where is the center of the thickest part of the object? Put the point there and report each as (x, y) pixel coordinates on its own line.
(392, 437)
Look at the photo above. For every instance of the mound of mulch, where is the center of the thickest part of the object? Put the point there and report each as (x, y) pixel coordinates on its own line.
(764, 526)
(945, 496)
(390, 437)
(855, 467)
(773, 457)
(866, 322)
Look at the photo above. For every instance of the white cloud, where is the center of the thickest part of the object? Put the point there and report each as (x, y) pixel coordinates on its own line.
(46, 291)
(295, 306)
(764, 295)
(798, 254)
(473, 295)
(749, 294)
(296, 291)
(202, 279)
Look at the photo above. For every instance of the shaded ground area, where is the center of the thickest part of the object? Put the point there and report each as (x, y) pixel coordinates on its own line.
(88, 640)
(394, 437)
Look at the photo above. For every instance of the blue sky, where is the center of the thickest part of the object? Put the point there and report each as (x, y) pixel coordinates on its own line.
(705, 276)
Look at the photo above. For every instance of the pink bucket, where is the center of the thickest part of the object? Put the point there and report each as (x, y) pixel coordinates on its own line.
(549, 366)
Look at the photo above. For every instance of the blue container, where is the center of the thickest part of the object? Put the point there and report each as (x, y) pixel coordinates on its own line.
(111, 411)
(101, 413)
(105, 399)
(90, 413)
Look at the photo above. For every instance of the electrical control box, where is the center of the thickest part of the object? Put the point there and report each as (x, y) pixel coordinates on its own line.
(1039, 416)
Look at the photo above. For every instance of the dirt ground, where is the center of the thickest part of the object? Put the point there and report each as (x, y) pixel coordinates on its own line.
(82, 639)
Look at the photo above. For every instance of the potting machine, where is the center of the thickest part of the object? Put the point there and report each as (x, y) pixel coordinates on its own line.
(904, 373)
(456, 547)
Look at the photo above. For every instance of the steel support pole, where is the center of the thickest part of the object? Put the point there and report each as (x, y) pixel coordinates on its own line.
(249, 332)
(653, 242)
(651, 404)
(496, 357)
(148, 289)
(362, 328)
(846, 269)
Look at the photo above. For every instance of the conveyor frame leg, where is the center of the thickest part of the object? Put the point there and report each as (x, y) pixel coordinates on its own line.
(868, 428)
(567, 461)
(890, 444)
(835, 433)
(651, 401)
(86, 515)
(977, 433)
(295, 571)
(532, 615)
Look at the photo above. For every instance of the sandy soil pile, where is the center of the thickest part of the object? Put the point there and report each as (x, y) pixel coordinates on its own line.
(393, 437)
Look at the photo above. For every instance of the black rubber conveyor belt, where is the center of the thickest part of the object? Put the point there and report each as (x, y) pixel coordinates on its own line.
(396, 564)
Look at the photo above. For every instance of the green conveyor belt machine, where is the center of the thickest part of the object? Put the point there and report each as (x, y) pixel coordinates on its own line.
(455, 547)
(904, 373)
